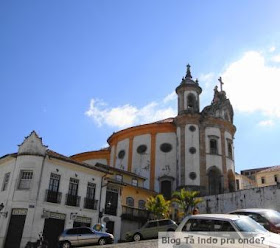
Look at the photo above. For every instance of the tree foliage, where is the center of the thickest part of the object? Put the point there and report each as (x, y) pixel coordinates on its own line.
(187, 200)
(158, 206)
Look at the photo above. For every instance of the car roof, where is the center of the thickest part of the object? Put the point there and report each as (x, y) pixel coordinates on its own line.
(217, 216)
(253, 210)
(158, 220)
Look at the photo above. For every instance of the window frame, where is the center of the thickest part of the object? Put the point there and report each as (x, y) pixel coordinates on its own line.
(91, 191)
(72, 182)
(129, 201)
(134, 182)
(230, 149)
(6, 181)
(54, 178)
(23, 181)
(119, 177)
(142, 204)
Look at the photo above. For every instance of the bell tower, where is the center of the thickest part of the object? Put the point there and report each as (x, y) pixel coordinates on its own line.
(188, 94)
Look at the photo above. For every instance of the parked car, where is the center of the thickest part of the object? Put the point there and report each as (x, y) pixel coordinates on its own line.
(80, 236)
(236, 230)
(150, 229)
(268, 218)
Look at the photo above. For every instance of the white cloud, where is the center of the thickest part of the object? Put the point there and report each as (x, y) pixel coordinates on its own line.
(207, 79)
(127, 115)
(276, 58)
(266, 123)
(252, 85)
(272, 49)
(171, 97)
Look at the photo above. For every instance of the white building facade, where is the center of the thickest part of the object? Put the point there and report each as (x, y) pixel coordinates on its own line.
(43, 191)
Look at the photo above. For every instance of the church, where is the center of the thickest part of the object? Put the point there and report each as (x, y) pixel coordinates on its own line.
(44, 191)
(193, 150)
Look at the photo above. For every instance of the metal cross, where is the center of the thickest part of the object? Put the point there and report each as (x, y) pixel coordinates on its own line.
(221, 83)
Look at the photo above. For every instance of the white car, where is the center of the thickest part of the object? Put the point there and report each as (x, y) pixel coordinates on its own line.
(219, 230)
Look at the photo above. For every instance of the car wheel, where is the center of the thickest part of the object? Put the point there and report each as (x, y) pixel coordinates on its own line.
(137, 237)
(102, 241)
(65, 245)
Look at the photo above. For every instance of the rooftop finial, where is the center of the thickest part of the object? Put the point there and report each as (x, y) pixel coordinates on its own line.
(221, 83)
(188, 75)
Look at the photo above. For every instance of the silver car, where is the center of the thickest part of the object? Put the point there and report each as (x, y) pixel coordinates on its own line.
(151, 229)
(222, 230)
(80, 236)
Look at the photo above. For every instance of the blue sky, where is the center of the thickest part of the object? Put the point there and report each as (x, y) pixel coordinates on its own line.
(76, 71)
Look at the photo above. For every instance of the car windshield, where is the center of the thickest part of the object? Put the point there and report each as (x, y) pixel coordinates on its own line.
(248, 225)
(272, 216)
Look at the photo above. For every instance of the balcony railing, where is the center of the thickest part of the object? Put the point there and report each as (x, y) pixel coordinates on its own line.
(111, 210)
(72, 200)
(53, 196)
(132, 213)
(90, 203)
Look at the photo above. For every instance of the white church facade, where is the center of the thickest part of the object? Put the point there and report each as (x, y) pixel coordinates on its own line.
(194, 150)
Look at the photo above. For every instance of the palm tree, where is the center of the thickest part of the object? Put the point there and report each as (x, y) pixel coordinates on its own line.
(187, 200)
(158, 206)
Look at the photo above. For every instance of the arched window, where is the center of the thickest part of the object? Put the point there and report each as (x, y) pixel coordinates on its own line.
(214, 181)
(191, 103)
(130, 201)
(141, 204)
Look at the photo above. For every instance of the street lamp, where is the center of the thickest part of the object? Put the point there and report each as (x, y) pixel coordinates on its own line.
(4, 214)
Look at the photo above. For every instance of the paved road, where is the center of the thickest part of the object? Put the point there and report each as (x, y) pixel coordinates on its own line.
(141, 244)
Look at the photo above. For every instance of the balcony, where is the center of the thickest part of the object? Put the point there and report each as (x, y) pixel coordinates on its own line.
(53, 196)
(130, 213)
(72, 200)
(111, 210)
(90, 203)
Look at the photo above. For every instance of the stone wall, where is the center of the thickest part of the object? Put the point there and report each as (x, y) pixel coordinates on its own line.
(264, 197)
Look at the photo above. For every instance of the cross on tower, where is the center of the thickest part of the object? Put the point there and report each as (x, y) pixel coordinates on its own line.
(221, 83)
(188, 71)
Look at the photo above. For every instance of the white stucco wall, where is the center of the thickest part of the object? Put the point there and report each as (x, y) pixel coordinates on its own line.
(212, 160)
(229, 162)
(165, 162)
(192, 161)
(265, 197)
(34, 200)
(123, 162)
(141, 162)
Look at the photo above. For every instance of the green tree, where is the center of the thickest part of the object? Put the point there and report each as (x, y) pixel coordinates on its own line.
(187, 200)
(158, 206)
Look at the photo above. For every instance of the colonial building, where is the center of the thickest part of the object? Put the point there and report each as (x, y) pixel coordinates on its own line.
(43, 191)
(193, 149)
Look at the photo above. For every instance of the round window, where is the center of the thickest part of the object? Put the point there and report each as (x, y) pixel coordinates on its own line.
(192, 175)
(166, 147)
(141, 149)
(192, 128)
(192, 150)
(121, 154)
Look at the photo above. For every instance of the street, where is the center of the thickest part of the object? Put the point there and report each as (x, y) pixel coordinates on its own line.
(141, 244)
